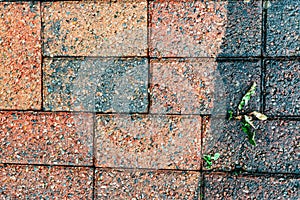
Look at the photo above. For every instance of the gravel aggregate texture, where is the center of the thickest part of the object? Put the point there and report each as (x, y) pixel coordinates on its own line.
(20, 56)
(277, 149)
(102, 85)
(205, 29)
(182, 86)
(283, 28)
(141, 141)
(283, 87)
(45, 182)
(46, 138)
(221, 186)
(147, 184)
(101, 28)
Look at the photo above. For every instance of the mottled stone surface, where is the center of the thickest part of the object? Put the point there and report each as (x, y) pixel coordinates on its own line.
(283, 87)
(101, 28)
(222, 186)
(42, 182)
(182, 86)
(144, 184)
(101, 85)
(283, 28)
(20, 56)
(243, 29)
(277, 149)
(205, 29)
(232, 80)
(160, 142)
(201, 86)
(46, 138)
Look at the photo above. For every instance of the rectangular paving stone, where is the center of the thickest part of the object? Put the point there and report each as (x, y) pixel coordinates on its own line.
(20, 56)
(204, 29)
(277, 149)
(282, 87)
(144, 184)
(42, 182)
(283, 28)
(46, 138)
(143, 141)
(103, 85)
(95, 28)
(201, 86)
(222, 186)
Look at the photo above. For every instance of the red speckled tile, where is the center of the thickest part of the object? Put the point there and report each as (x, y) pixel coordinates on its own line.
(144, 184)
(20, 56)
(186, 28)
(41, 182)
(143, 141)
(222, 186)
(182, 86)
(101, 28)
(46, 138)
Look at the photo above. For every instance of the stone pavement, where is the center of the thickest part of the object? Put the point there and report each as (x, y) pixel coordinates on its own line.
(121, 99)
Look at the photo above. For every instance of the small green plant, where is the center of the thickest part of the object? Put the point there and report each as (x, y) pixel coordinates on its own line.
(208, 159)
(246, 119)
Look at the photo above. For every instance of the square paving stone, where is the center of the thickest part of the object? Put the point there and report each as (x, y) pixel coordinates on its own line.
(277, 149)
(222, 186)
(42, 182)
(145, 184)
(46, 138)
(283, 87)
(102, 85)
(204, 29)
(283, 28)
(182, 86)
(20, 56)
(201, 86)
(143, 141)
(95, 28)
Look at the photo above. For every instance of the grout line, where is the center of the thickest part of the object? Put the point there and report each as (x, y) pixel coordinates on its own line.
(94, 155)
(148, 57)
(202, 192)
(245, 173)
(42, 58)
(263, 53)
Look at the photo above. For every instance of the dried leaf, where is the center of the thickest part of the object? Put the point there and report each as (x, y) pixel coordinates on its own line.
(249, 120)
(259, 115)
(247, 97)
(267, 4)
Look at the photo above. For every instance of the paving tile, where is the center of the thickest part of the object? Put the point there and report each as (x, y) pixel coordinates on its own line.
(142, 184)
(283, 28)
(143, 141)
(20, 56)
(102, 85)
(204, 29)
(200, 86)
(46, 138)
(277, 149)
(282, 87)
(42, 182)
(102, 28)
(221, 186)
(182, 86)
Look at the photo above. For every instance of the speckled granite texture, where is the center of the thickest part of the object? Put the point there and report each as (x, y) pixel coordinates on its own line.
(123, 99)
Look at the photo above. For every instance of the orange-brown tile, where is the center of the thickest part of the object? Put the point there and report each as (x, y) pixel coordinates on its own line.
(98, 28)
(143, 141)
(20, 56)
(42, 182)
(46, 138)
(144, 184)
